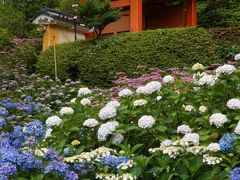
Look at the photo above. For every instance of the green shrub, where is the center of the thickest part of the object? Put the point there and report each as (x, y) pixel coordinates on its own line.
(95, 62)
(220, 13)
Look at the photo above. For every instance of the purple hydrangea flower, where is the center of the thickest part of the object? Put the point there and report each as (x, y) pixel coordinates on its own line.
(27, 161)
(7, 169)
(235, 174)
(60, 168)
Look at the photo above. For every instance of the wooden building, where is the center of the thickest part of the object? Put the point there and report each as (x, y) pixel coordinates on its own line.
(138, 15)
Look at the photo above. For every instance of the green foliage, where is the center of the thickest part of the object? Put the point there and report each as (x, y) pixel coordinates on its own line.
(10, 19)
(66, 6)
(220, 13)
(96, 62)
(5, 38)
(98, 14)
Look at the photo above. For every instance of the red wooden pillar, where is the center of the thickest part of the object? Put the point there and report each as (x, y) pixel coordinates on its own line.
(135, 15)
(191, 13)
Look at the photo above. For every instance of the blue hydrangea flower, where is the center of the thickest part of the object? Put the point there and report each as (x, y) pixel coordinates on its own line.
(235, 174)
(79, 168)
(9, 154)
(227, 142)
(113, 161)
(2, 122)
(71, 175)
(32, 141)
(28, 99)
(60, 168)
(34, 128)
(17, 138)
(4, 112)
(7, 169)
(68, 151)
(51, 155)
(27, 161)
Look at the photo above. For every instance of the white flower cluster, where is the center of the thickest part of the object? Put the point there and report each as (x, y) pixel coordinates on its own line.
(127, 165)
(197, 67)
(218, 119)
(53, 121)
(237, 57)
(184, 129)
(106, 176)
(237, 129)
(85, 101)
(40, 152)
(168, 79)
(211, 160)
(84, 91)
(89, 156)
(192, 138)
(189, 108)
(48, 133)
(202, 109)
(66, 110)
(125, 92)
(114, 104)
(207, 80)
(173, 151)
(73, 100)
(106, 129)
(214, 147)
(146, 122)
(140, 102)
(225, 69)
(196, 149)
(159, 98)
(166, 143)
(117, 138)
(90, 123)
(149, 88)
(233, 104)
(107, 112)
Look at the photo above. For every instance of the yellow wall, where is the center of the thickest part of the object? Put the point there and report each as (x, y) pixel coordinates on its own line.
(59, 34)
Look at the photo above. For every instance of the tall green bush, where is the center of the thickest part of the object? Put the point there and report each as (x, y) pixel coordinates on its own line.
(95, 62)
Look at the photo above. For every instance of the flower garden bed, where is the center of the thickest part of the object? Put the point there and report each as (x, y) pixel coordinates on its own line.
(160, 125)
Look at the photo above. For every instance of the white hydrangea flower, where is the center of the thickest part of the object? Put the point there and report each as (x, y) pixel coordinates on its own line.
(173, 151)
(84, 91)
(214, 147)
(125, 92)
(107, 112)
(66, 110)
(196, 149)
(211, 160)
(114, 104)
(117, 139)
(53, 121)
(73, 100)
(237, 57)
(140, 102)
(48, 133)
(192, 138)
(197, 67)
(233, 104)
(207, 80)
(168, 79)
(189, 108)
(159, 98)
(237, 129)
(124, 166)
(128, 176)
(146, 122)
(225, 69)
(149, 88)
(218, 119)
(166, 143)
(90, 123)
(85, 101)
(184, 129)
(106, 129)
(202, 109)
(40, 152)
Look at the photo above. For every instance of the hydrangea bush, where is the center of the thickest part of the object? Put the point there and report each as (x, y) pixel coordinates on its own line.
(165, 128)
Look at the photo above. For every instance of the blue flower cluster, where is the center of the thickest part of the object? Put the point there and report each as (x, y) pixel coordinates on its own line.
(227, 142)
(35, 128)
(2, 122)
(6, 170)
(113, 161)
(27, 105)
(61, 169)
(235, 174)
(52, 155)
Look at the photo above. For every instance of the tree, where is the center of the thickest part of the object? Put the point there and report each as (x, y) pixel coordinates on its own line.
(68, 6)
(98, 14)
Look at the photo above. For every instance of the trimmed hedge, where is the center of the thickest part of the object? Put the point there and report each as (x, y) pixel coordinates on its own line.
(95, 62)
